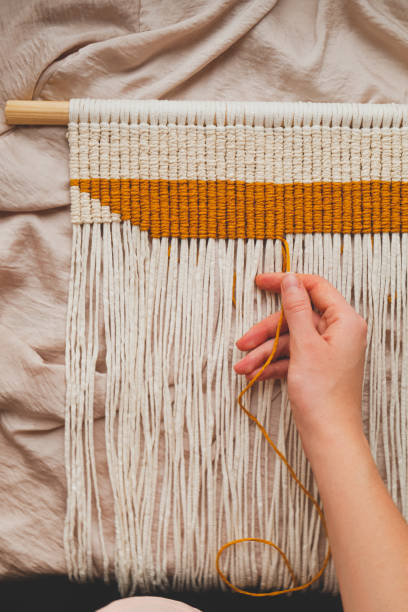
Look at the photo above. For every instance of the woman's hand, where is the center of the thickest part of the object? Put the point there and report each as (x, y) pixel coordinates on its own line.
(322, 353)
(323, 356)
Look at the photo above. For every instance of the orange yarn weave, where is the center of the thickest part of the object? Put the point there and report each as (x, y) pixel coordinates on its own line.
(235, 209)
(286, 268)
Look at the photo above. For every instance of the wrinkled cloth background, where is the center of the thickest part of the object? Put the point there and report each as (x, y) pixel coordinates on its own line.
(288, 50)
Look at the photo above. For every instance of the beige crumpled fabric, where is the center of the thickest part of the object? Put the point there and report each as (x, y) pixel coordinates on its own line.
(349, 51)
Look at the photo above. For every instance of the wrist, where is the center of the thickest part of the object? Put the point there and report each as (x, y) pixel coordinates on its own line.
(333, 442)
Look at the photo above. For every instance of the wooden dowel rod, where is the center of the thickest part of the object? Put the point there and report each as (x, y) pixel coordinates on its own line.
(36, 112)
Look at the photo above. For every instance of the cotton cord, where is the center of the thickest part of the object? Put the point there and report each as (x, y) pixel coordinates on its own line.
(176, 206)
(286, 268)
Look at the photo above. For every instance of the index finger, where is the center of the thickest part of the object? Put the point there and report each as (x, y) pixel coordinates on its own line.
(322, 293)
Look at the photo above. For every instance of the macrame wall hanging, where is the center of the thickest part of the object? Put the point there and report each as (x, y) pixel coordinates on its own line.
(176, 206)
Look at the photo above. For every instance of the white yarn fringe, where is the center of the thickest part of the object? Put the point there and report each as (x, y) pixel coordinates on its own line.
(188, 470)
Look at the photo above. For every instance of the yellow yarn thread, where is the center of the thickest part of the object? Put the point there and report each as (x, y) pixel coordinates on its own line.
(286, 268)
(235, 209)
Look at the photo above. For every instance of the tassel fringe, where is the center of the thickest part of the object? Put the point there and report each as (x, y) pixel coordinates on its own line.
(187, 470)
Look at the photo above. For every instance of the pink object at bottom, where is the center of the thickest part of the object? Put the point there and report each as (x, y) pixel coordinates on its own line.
(146, 604)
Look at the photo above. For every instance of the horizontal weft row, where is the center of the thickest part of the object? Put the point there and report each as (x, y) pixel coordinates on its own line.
(231, 170)
(227, 209)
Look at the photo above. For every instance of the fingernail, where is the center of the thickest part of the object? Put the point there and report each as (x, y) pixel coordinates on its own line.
(290, 280)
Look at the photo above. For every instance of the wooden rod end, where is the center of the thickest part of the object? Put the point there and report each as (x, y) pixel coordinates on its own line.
(36, 112)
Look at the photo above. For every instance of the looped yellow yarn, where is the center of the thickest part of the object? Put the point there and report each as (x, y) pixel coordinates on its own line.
(286, 268)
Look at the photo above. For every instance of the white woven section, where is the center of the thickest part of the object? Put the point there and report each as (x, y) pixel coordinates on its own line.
(263, 142)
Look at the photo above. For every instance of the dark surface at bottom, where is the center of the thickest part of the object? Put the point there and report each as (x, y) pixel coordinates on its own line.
(56, 593)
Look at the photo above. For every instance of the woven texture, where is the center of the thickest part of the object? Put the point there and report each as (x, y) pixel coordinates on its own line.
(217, 170)
(176, 206)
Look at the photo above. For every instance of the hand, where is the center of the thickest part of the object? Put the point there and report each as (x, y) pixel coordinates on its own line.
(322, 353)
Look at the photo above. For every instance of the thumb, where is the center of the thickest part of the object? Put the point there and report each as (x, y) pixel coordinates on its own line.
(297, 307)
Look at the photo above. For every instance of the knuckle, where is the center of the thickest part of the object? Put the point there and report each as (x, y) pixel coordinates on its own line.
(362, 325)
(294, 305)
(363, 328)
(360, 329)
(320, 281)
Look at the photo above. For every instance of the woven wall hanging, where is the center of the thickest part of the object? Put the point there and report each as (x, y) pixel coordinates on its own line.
(175, 208)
